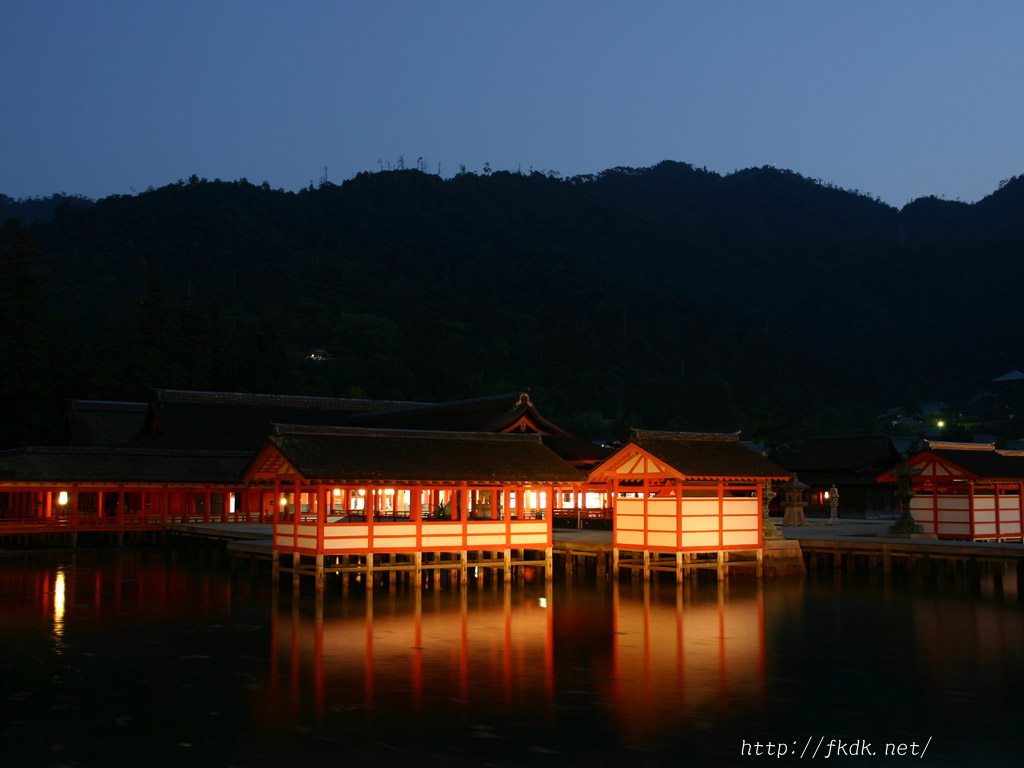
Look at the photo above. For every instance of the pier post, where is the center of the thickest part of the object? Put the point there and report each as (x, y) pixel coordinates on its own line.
(320, 575)
(647, 565)
(275, 570)
(549, 564)
(417, 570)
(568, 564)
(508, 566)
(615, 563)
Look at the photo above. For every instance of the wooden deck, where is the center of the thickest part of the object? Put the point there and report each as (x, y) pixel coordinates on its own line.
(870, 545)
(849, 545)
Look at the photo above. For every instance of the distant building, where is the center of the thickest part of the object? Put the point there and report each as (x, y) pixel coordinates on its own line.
(853, 464)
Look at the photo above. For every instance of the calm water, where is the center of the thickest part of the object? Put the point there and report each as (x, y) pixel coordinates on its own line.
(129, 660)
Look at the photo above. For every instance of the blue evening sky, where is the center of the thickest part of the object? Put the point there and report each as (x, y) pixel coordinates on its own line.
(896, 98)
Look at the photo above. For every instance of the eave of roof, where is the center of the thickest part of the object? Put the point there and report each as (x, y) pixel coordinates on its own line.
(355, 454)
(45, 464)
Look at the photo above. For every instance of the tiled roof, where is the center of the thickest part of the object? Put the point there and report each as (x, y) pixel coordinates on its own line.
(103, 422)
(845, 460)
(121, 465)
(983, 461)
(576, 449)
(484, 414)
(705, 455)
(356, 454)
(847, 453)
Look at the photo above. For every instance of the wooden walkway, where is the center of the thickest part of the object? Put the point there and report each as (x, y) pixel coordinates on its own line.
(870, 545)
(852, 544)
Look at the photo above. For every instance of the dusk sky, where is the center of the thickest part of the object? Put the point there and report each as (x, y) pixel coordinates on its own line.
(895, 98)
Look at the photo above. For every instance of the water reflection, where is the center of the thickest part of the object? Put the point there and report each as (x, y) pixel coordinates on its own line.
(529, 673)
(423, 655)
(58, 605)
(639, 661)
(690, 655)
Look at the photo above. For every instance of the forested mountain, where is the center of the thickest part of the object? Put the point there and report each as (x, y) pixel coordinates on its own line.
(665, 297)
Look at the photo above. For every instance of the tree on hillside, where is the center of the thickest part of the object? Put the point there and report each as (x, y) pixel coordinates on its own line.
(27, 385)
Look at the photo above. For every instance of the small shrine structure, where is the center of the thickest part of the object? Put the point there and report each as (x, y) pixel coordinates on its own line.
(346, 496)
(966, 491)
(691, 495)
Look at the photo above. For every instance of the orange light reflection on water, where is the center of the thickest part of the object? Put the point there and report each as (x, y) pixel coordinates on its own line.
(422, 654)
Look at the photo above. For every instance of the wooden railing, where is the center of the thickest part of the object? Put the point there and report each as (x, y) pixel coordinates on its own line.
(128, 521)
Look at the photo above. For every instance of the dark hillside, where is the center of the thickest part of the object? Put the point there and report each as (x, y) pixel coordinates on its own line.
(665, 297)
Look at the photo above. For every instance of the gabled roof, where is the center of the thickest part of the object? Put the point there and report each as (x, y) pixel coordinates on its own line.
(353, 454)
(500, 413)
(104, 422)
(965, 461)
(121, 465)
(696, 455)
(239, 421)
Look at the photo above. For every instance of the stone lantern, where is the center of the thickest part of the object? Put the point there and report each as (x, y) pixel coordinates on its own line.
(793, 502)
(904, 493)
(769, 531)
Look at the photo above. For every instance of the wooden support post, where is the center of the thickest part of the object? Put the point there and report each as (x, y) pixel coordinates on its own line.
(886, 561)
(647, 565)
(615, 563)
(417, 572)
(721, 569)
(275, 562)
(973, 569)
(568, 564)
(680, 571)
(549, 564)
(760, 563)
(368, 568)
(508, 566)
(320, 579)
(602, 566)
